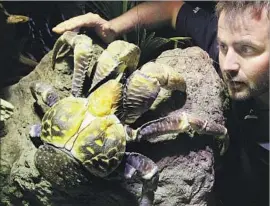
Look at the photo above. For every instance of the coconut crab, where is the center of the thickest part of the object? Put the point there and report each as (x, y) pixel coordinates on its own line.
(89, 131)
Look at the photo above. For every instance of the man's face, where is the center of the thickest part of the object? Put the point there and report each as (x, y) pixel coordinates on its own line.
(244, 49)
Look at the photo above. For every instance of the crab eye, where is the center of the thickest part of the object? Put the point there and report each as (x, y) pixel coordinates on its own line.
(52, 98)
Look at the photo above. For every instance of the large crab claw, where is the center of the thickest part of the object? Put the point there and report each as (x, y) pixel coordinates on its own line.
(181, 123)
(117, 58)
(82, 46)
(146, 88)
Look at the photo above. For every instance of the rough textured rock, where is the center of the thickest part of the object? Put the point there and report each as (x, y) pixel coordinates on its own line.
(186, 164)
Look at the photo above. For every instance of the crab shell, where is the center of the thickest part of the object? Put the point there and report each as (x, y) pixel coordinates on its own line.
(96, 139)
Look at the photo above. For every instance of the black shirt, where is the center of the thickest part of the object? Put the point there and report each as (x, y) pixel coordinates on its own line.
(201, 26)
(244, 179)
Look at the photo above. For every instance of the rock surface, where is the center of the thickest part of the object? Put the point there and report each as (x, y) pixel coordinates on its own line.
(186, 164)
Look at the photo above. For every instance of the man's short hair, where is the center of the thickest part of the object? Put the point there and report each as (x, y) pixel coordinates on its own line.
(235, 8)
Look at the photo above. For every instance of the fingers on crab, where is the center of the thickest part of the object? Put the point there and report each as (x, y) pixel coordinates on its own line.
(115, 60)
(146, 170)
(6, 110)
(139, 94)
(167, 77)
(182, 123)
(44, 91)
(101, 102)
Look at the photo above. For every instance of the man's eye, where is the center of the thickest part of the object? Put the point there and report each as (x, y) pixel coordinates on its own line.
(223, 48)
(246, 50)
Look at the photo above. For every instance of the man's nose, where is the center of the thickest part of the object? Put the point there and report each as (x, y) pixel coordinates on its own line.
(231, 62)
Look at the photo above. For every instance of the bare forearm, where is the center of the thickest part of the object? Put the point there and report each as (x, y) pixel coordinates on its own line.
(147, 15)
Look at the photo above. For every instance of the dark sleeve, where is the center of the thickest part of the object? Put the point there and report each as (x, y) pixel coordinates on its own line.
(201, 26)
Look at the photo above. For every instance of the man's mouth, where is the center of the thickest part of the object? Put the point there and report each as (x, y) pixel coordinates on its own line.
(235, 84)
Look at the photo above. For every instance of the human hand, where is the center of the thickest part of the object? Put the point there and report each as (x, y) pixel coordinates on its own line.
(101, 26)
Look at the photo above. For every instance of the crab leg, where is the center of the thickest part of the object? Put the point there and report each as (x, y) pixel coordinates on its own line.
(115, 60)
(83, 53)
(145, 89)
(83, 50)
(62, 42)
(167, 77)
(182, 123)
(146, 170)
(140, 92)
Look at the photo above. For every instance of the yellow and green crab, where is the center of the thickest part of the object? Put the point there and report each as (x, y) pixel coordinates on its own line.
(92, 132)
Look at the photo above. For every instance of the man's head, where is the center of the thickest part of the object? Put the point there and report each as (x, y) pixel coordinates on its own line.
(244, 47)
